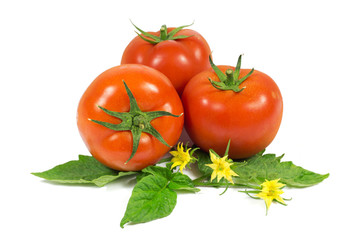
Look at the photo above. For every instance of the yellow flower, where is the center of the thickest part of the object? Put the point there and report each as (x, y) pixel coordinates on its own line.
(271, 190)
(221, 168)
(180, 157)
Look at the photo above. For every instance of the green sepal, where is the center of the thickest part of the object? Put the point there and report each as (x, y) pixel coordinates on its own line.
(145, 33)
(135, 121)
(218, 72)
(156, 114)
(230, 80)
(136, 133)
(164, 35)
(227, 148)
(171, 34)
(152, 131)
(148, 40)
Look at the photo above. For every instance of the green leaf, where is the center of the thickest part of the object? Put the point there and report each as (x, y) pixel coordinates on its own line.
(203, 159)
(177, 181)
(140, 176)
(154, 195)
(180, 181)
(85, 170)
(151, 199)
(158, 171)
(260, 167)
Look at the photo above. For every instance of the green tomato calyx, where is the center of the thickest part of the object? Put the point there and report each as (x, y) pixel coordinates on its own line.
(135, 121)
(164, 34)
(230, 80)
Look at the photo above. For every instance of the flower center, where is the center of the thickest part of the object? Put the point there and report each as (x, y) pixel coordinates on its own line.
(221, 167)
(271, 192)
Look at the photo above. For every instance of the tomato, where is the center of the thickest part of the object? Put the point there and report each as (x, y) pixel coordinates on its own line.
(179, 56)
(247, 112)
(126, 117)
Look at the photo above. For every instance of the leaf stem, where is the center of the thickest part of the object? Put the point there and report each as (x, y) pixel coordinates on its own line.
(200, 179)
(198, 183)
(227, 187)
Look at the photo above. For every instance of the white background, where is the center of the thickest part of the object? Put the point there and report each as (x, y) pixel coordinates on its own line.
(50, 51)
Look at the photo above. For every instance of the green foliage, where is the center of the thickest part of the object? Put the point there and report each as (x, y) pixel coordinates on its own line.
(203, 159)
(85, 170)
(154, 195)
(151, 199)
(254, 171)
(260, 167)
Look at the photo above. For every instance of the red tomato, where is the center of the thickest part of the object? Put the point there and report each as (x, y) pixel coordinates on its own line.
(178, 58)
(107, 97)
(250, 118)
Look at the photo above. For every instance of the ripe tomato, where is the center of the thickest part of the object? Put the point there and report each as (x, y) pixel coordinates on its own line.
(179, 56)
(125, 106)
(250, 117)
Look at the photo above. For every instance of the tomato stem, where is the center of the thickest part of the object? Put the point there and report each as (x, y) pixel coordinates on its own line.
(163, 33)
(230, 76)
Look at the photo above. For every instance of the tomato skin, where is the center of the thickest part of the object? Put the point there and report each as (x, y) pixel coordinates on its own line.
(153, 92)
(250, 118)
(179, 59)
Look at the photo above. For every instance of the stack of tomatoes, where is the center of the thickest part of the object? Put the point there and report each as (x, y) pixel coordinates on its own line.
(132, 114)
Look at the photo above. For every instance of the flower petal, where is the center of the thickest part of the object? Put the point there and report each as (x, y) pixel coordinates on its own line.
(220, 175)
(212, 156)
(174, 153)
(213, 175)
(176, 163)
(280, 199)
(212, 166)
(229, 178)
(232, 173)
(268, 201)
